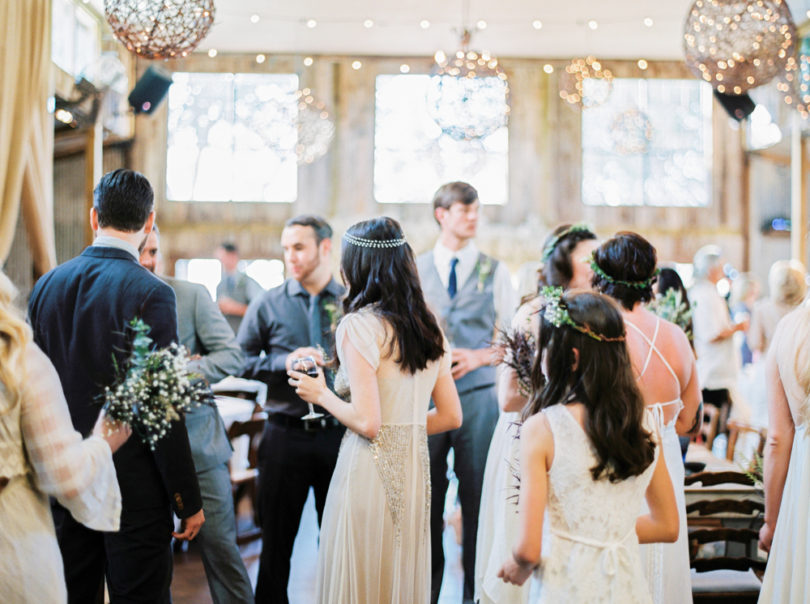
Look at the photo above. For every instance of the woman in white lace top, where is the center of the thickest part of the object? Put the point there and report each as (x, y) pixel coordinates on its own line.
(589, 453)
(42, 455)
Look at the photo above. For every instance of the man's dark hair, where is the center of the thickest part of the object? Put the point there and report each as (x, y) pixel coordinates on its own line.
(452, 192)
(229, 247)
(123, 200)
(318, 224)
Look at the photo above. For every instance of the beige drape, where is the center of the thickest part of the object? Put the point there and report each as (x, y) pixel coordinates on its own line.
(26, 128)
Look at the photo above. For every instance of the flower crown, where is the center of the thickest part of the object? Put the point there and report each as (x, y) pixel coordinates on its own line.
(374, 243)
(556, 313)
(549, 249)
(599, 272)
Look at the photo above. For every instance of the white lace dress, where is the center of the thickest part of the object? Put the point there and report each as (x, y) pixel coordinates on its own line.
(375, 534)
(593, 555)
(787, 577)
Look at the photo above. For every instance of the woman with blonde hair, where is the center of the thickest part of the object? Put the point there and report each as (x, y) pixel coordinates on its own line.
(786, 532)
(41, 455)
(787, 287)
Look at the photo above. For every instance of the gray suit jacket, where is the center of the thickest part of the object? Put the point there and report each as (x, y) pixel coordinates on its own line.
(204, 331)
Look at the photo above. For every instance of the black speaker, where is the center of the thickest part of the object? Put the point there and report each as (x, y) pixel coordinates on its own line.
(150, 89)
(738, 106)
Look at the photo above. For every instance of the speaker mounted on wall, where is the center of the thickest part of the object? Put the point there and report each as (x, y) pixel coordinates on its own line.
(738, 106)
(150, 89)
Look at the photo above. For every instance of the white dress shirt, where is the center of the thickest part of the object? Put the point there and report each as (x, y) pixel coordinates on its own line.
(505, 297)
(109, 241)
(718, 362)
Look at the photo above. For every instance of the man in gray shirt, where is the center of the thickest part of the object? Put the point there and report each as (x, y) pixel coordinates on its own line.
(215, 354)
(295, 319)
(236, 290)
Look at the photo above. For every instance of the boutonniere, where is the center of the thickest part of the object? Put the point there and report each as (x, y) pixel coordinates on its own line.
(484, 267)
(333, 312)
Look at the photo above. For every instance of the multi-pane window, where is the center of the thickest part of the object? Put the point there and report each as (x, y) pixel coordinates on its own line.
(412, 157)
(232, 137)
(649, 143)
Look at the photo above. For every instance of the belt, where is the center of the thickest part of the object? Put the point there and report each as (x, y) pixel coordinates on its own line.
(307, 425)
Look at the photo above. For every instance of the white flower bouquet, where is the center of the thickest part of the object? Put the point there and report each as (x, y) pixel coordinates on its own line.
(154, 388)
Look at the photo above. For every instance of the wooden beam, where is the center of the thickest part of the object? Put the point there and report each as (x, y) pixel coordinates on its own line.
(93, 166)
(798, 194)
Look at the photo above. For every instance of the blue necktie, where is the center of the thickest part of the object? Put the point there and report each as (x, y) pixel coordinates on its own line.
(452, 284)
(315, 332)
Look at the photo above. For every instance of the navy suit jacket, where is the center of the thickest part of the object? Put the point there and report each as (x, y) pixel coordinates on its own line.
(79, 313)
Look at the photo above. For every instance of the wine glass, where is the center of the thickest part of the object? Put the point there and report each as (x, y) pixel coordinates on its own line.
(307, 365)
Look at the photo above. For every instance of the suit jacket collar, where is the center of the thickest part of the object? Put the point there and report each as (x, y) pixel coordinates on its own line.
(97, 251)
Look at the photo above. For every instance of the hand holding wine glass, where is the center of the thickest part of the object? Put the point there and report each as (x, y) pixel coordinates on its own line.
(308, 366)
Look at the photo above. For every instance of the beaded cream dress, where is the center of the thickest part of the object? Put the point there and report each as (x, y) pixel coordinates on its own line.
(375, 533)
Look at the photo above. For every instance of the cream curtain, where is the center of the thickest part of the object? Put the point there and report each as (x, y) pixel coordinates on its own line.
(26, 128)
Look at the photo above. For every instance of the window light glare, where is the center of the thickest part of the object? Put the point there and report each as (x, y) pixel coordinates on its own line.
(537, 24)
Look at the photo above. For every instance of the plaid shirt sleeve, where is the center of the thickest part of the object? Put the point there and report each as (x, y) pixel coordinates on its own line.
(79, 473)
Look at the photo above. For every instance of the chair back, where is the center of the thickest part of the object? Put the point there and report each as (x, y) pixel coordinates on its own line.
(711, 419)
(253, 429)
(737, 429)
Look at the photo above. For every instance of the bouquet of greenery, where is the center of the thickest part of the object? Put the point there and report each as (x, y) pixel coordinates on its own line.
(672, 307)
(154, 388)
(519, 348)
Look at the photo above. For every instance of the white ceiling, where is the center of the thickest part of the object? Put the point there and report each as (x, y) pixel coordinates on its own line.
(621, 32)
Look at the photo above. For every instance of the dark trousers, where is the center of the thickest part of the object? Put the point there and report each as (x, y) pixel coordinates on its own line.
(470, 444)
(137, 560)
(291, 460)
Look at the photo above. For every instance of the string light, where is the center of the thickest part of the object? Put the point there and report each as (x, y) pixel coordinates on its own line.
(254, 18)
(481, 24)
(573, 82)
(648, 21)
(260, 59)
(404, 68)
(308, 61)
(548, 68)
(642, 64)
(368, 23)
(424, 24)
(212, 52)
(593, 24)
(537, 24)
(356, 65)
(312, 23)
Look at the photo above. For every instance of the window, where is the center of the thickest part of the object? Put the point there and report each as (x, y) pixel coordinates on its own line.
(208, 272)
(412, 157)
(75, 37)
(649, 144)
(232, 137)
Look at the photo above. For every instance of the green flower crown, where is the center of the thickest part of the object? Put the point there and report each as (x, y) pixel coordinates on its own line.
(556, 313)
(549, 249)
(597, 270)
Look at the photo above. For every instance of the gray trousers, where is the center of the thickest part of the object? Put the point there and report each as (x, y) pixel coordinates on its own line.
(227, 577)
(470, 444)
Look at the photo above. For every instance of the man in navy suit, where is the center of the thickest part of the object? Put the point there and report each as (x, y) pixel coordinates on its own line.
(79, 313)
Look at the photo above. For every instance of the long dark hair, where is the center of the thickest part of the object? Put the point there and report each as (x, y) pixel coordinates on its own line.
(558, 269)
(628, 261)
(386, 278)
(602, 381)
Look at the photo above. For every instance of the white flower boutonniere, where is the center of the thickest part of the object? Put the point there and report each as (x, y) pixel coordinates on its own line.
(333, 313)
(484, 268)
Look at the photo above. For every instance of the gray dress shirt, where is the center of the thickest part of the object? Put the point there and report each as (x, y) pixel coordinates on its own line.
(276, 324)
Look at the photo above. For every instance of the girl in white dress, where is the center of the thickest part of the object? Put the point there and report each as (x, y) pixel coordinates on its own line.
(565, 255)
(588, 452)
(786, 532)
(375, 533)
(664, 366)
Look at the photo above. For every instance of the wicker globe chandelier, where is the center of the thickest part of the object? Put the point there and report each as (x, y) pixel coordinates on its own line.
(160, 29)
(585, 83)
(315, 128)
(468, 93)
(736, 45)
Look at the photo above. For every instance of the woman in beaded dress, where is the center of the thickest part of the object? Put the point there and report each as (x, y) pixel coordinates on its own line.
(375, 533)
(41, 455)
(565, 254)
(664, 365)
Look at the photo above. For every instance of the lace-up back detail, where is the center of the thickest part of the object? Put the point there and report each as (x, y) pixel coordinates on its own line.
(594, 550)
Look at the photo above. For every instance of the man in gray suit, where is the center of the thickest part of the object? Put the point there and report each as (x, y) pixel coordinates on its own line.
(470, 292)
(215, 354)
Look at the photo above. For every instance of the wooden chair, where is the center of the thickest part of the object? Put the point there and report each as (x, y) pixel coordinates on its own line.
(729, 570)
(737, 429)
(708, 430)
(244, 480)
